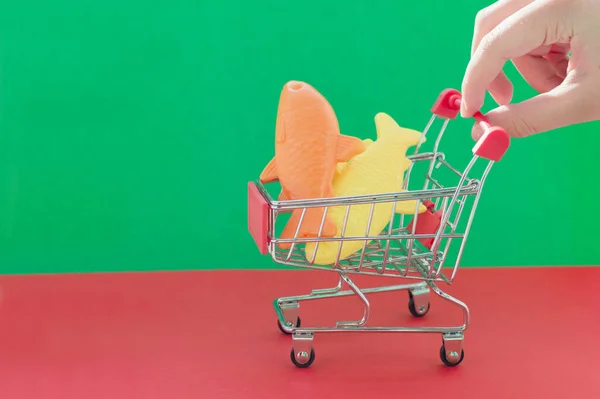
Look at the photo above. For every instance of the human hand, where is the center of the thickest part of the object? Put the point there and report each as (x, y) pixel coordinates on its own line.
(536, 35)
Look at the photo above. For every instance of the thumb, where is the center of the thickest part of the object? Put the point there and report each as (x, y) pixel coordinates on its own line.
(567, 104)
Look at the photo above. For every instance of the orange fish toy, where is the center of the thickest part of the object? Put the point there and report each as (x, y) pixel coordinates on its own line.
(308, 146)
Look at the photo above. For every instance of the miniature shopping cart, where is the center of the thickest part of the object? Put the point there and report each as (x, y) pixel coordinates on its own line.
(415, 246)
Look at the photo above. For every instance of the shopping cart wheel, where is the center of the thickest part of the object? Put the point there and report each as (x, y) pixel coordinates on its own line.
(418, 306)
(302, 359)
(454, 359)
(281, 327)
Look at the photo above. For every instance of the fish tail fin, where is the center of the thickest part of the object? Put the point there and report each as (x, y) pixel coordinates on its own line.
(348, 147)
(284, 195)
(269, 174)
(311, 224)
(388, 129)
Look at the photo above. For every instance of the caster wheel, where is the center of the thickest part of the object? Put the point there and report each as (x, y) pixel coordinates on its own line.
(451, 362)
(302, 359)
(281, 327)
(422, 311)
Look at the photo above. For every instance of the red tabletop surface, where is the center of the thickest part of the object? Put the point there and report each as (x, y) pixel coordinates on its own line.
(213, 334)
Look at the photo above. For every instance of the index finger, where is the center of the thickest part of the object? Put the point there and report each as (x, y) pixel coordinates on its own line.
(515, 36)
(500, 87)
(489, 17)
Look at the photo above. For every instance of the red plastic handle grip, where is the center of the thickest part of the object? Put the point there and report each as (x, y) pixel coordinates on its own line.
(494, 142)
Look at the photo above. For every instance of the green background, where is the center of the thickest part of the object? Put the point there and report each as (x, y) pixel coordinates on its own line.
(128, 129)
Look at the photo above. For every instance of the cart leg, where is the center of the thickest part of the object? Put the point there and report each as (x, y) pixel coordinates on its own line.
(418, 303)
(303, 353)
(463, 306)
(290, 315)
(363, 299)
(452, 352)
(333, 290)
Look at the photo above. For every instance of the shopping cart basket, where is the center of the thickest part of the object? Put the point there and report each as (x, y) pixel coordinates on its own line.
(414, 247)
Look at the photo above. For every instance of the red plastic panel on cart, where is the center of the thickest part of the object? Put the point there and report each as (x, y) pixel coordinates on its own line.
(258, 217)
(428, 222)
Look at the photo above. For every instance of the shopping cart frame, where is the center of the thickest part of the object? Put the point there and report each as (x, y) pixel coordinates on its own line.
(424, 267)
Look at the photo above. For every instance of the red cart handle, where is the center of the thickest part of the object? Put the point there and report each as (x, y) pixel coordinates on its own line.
(494, 142)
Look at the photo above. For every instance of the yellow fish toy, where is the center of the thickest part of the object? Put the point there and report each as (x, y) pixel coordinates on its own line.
(378, 170)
